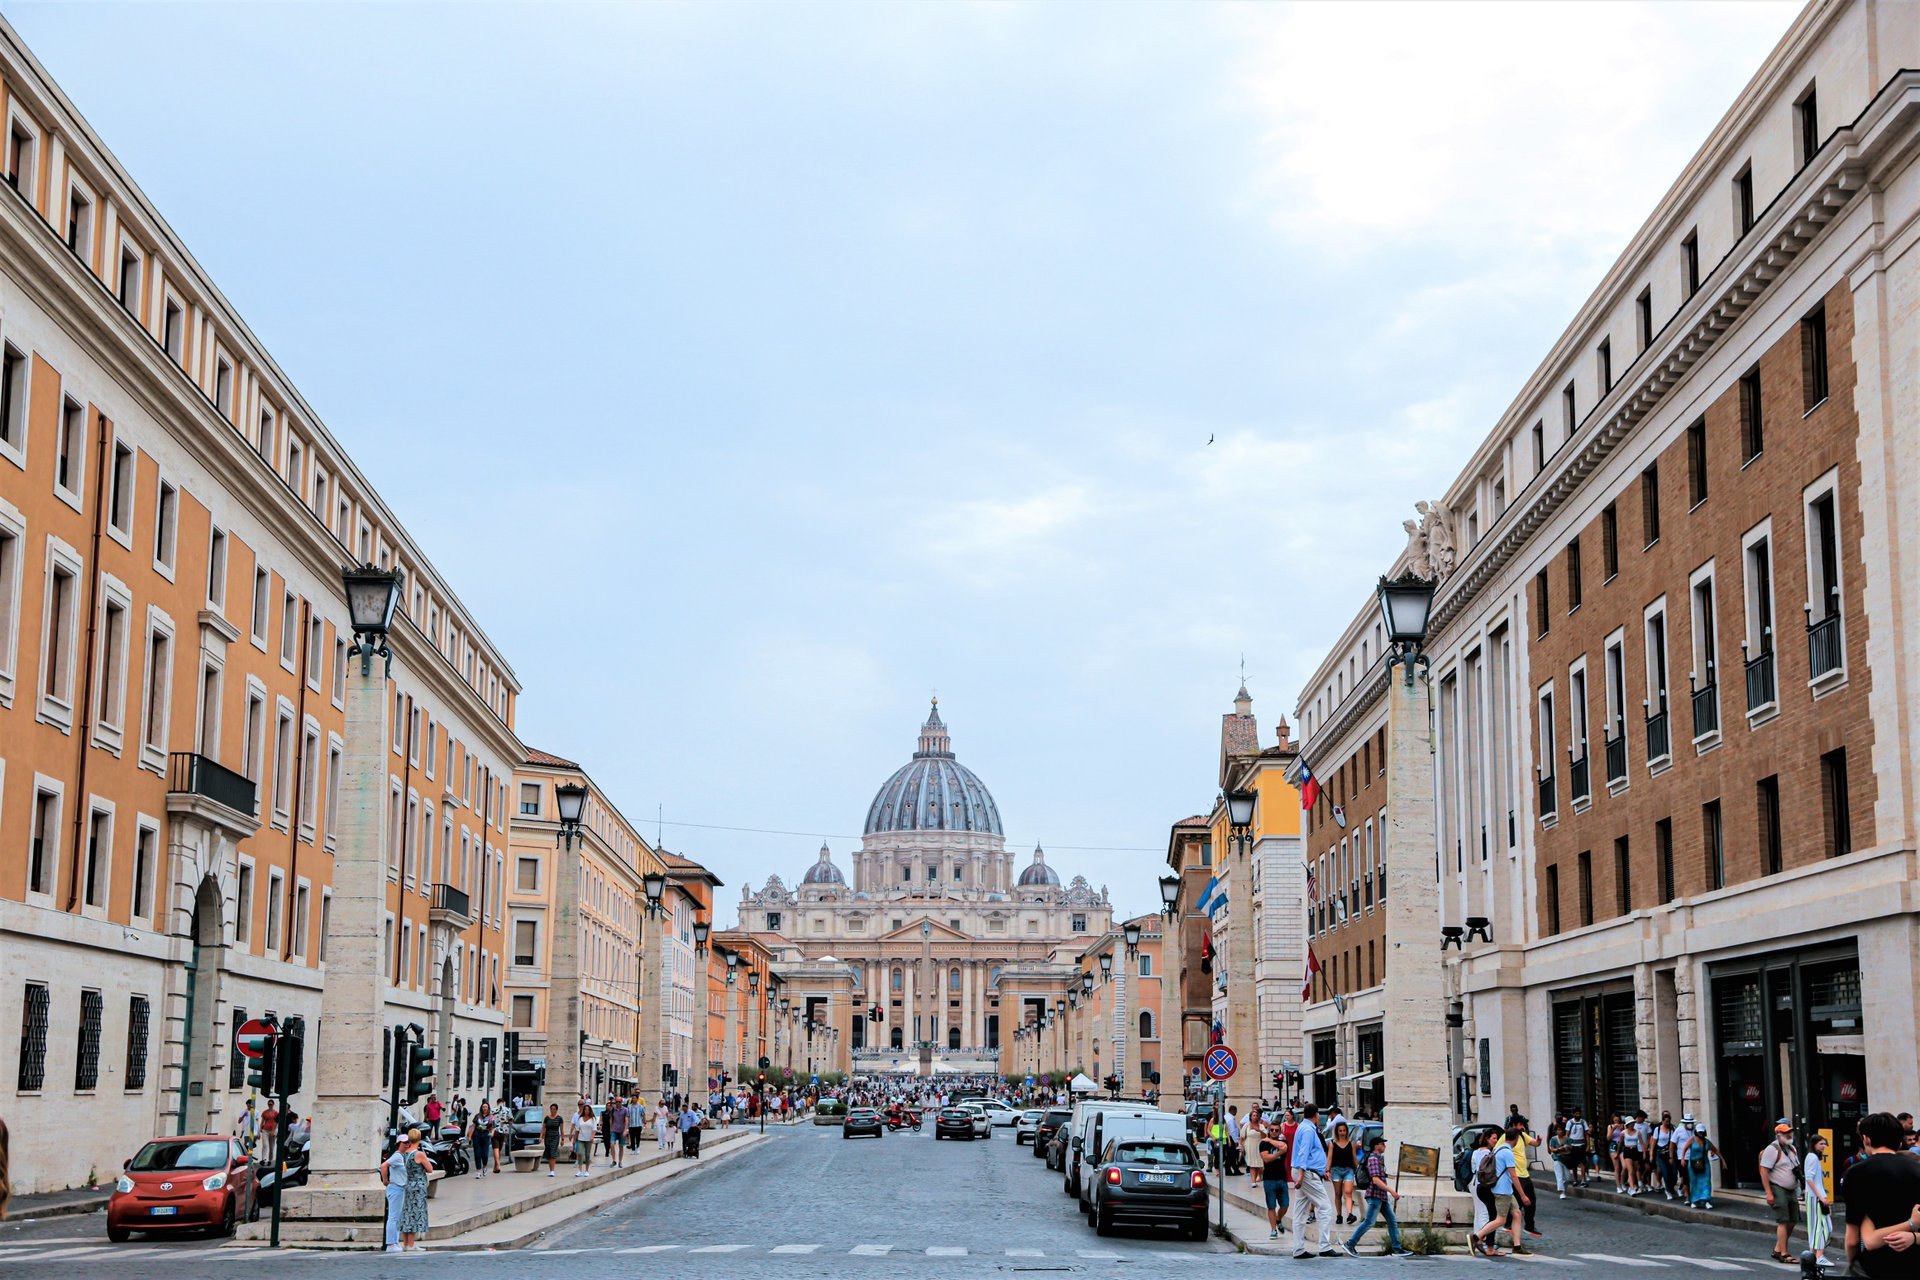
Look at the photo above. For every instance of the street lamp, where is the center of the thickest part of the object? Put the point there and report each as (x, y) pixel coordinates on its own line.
(1131, 934)
(372, 596)
(654, 884)
(571, 799)
(701, 932)
(1240, 809)
(1406, 604)
(1106, 965)
(733, 962)
(1086, 983)
(1169, 894)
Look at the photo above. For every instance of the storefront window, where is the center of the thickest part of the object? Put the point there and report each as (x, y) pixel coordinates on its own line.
(1596, 1065)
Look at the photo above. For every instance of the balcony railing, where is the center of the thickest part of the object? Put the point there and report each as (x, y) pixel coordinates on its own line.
(1706, 710)
(1546, 796)
(1616, 759)
(1823, 645)
(1760, 690)
(193, 774)
(1659, 737)
(452, 900)
(1580, 778)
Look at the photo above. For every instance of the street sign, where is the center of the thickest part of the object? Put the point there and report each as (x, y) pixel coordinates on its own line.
(1421, 1162)
(253, 1037)
(1221, 1062)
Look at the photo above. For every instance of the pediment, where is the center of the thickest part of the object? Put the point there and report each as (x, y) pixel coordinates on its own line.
(910, 932)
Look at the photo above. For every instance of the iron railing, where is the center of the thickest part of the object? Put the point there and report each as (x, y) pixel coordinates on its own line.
(1616, 758)
(1823, 645)
(1659, 737)
(1580, 779)
(1706, 710)
(1760, 680)
(449, 898)
(192, 774)
(1547, 804)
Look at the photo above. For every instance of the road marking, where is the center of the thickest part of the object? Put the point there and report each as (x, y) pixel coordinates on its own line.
(84, 1251)
(946, 1251)
(649, 1248)
(1618, 1262)
(793, 1248)
(1764, 1262)
(1709, 1263)
(1025, 1253)
(718, 1248)
(871, 1250)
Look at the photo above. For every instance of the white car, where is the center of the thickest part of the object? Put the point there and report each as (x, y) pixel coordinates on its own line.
(1027, 1126)
(999, 1113)
(982, 1123)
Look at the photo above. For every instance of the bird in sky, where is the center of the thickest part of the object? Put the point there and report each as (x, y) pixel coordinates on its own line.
(1209, 438)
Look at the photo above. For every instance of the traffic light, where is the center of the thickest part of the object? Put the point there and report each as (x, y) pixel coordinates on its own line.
(290, 1051)
(419, 1072)
(260, 1070)
(1279, 1083)
(765, 1062)
(763, 1078)
(873, 1014)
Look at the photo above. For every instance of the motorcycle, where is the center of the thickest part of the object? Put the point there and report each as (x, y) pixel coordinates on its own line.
(896, 1121)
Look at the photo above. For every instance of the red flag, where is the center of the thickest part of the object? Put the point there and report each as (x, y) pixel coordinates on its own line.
(1313, 967)
(1309, 787)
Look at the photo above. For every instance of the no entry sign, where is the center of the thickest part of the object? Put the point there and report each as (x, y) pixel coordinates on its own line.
(1221, 1062)
(254, 1037)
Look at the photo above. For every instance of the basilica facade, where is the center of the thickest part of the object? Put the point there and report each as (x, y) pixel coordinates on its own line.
(921, 931)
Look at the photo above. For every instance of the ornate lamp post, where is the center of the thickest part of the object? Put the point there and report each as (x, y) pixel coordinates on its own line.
(1129, 1031)
(730, 1052)
(923, 1031)
(703, 1005)
(1241, 1033)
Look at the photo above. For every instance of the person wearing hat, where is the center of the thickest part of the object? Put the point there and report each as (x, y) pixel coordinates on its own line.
(1780, 1176)
(1696, 1155)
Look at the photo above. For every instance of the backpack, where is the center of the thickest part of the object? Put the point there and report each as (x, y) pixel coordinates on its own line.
(1361, 1178)
(1487, 1174)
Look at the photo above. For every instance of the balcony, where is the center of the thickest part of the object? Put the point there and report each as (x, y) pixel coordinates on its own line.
(1706, 711)
(1547, 803)
(1760, 684)
(1823, 646)
(1616, 759)
(1659, 737)
(201, 787)
(450, 907)
(1580, 778)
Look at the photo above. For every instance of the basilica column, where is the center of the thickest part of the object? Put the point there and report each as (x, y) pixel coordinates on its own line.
(908, 1029)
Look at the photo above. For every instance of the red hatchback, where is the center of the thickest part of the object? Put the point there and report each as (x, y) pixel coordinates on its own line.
(196, 1182)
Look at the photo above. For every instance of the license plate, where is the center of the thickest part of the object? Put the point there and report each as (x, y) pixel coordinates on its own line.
(164, 1210)
(1156, 1179)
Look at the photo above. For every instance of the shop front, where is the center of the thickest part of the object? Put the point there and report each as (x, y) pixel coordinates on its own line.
(1596, 1066)
(1789, 1041)
(1325, 1070)
(1369, 1047)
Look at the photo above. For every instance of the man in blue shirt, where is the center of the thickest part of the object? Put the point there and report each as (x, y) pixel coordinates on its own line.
(1312, 1201)
(1507, 1198)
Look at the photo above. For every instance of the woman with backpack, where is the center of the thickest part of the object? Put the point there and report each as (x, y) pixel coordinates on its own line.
(1481, 1177)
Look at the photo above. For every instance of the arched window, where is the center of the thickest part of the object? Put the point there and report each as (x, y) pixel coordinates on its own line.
(898, 982)
(1146, 1024)
(953, 979)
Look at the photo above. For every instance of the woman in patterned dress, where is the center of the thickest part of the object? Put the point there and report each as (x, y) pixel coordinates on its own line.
(413, 1209)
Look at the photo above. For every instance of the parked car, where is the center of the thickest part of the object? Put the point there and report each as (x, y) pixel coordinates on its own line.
(953, 1122)
(999, 1114)
(1108, 1125)
(1026, 1126)
(863, 1120)
(1151, 1182)
(1083, 1139)
(1046, 1133)
(1199, 1119)
(197, 1182)
(982, 1125)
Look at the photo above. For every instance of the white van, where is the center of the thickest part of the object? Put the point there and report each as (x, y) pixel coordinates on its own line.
(1135, 1123)
(1085, 1125)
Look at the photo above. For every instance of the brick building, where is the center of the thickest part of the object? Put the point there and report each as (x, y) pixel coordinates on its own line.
(1672, 653)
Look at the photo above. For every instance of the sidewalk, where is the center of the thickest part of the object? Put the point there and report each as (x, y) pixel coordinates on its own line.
(1247, 1226)
(532, 1202)
(1740, 1210)
(56, 1204)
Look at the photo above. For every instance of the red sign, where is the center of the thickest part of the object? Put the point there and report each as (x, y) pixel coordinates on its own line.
(1849, 1091)
(1221, 1062)
(1751, 1092)
(254, 1037)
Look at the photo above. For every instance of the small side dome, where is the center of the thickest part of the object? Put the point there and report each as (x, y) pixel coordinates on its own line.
(823, 871)
(1038, 873)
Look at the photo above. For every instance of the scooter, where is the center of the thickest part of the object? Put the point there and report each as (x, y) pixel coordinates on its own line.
(904, 1120)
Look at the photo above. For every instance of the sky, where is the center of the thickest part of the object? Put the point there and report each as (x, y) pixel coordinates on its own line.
(753, 372)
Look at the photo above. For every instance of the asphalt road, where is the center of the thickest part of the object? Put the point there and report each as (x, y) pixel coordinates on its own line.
(808, 1203)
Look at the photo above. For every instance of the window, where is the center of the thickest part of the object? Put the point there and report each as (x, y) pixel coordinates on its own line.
(97, 870)
(1573, 575)
(1079, 923)
(1690, 263)
(1577, 711)
(206, 737)
(1813, 356)
(1825, 650)
(1539, 447)
(113, 666)
(79, 222)
(1697, 463)
(1712, 840)
(1743, 198)
(402, 969)
(309, 778)
(523, 1011)
(20, 152)
(13, 400)
(1836, 811)
(1547, 751)
(43, 847)
(1650, 504)
(253, 748)
(1752, 429)
(1603, 360)
(128, 290)
(145, 861)
(1614, 680)
(282, 766)
(316, 650)
(1643, 317)
(62, 612)
(1569, 413)
(223, 387)
(1706, 640)
(530, 799)
(1806, 126)
(138, 1018)
(166, 527)
(339, 671)
(296, 465)
(70, 447)
(1767, 816)
(1759, 560)
(1584, 866)
(1663, 857)
(173, 331)
(243, 905)
(217, 572)
(120, 490)
(1542, 605)
(1622, 878)
(289, 627)
(1609, 543)
(263, 437)
(301, 901)
(86, 1060)
(524, 936)
(1656, 634)
(1553, 900)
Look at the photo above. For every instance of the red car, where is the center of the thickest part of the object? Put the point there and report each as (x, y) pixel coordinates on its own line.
(196, 1182)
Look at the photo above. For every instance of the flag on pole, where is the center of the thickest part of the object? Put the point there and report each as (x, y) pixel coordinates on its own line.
(1213, 882)
(1309, 786)
(1313, 967)
(1313, 888)
(1340, 816)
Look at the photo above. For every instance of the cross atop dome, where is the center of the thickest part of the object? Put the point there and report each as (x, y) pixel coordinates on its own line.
(933, 735)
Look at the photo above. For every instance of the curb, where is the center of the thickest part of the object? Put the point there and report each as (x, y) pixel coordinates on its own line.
(70, 1210)
(1672, 1209)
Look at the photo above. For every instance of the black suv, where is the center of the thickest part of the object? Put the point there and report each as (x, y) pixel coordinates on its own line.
(1050, 1122)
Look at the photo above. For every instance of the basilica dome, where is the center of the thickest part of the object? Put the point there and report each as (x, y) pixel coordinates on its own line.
(933, 791)
(823, 871)
(1038, 873)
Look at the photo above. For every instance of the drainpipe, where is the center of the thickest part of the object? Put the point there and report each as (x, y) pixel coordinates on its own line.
(83, 673)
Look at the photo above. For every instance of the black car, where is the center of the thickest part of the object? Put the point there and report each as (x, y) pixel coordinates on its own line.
(863, 1120)
(953, 1122)
(1199, 1120)
(1152, 1184)
(1043, 1137)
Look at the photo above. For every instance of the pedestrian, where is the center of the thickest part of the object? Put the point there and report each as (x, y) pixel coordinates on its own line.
(1380, 1197)
(1882, 1192)
(1231, 1151)
(1813, 1177)
(413, 1204)
(393, 1174)
(1700, 1155)
(480, 1133)
(1664, 1164)
(1250, 1138)
(617, 1129)
(246, 1126)
(1273, 1176)
(269, 1124)
(585, 1128)
(6, 1183)
(1780, 1179)
(503, 1135)
(1525, 1151)
(1341, 1166)
(552, 1125)
(433, 1111)
(1497, 1172)
(690, 1120)
(1577, 1138)
(662, 1123)
(1635, 1153)
(636, 1121)
(1481, 1186)
(1311, 1199)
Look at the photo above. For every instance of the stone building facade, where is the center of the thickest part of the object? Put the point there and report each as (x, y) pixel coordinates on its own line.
(1672, 651)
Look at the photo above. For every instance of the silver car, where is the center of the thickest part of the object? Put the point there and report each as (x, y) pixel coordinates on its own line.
(1027, 1126)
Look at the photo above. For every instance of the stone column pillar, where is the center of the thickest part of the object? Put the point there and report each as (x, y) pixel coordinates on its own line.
(730, 1051)
(1418, 1110)
(654, 993)
(349, 1105)
(566, 1073)
(1242, 1011)
(909, 1012)
(1126, 1055)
